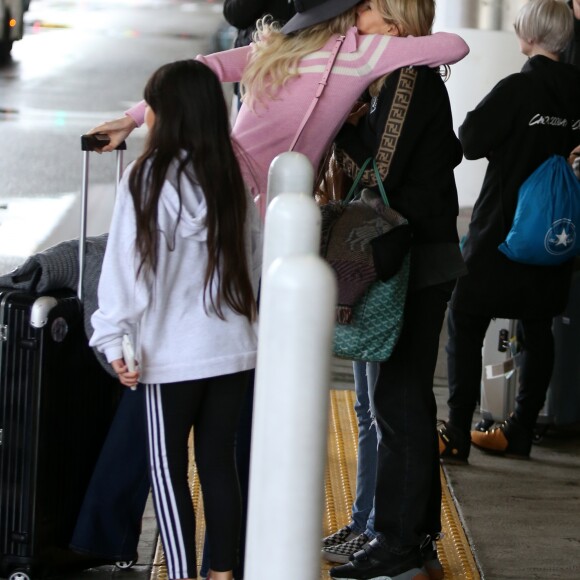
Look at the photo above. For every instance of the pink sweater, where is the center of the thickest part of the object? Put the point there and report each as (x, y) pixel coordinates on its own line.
(268, 130)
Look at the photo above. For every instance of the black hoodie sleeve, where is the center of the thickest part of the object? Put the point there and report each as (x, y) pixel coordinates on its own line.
(491, 122)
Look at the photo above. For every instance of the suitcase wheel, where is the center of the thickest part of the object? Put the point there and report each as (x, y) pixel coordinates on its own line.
(126, 564)
(19, 575)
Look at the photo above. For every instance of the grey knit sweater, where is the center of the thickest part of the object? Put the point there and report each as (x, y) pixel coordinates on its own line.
(57, 268)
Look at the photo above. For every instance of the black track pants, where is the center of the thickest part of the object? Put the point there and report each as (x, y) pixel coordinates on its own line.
(212, 407)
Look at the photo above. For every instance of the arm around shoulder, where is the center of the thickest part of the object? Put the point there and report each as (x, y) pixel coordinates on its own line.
(432, 50)
(228, 65)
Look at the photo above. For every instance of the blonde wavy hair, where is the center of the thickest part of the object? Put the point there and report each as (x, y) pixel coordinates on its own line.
(411, 19)
(275, 56)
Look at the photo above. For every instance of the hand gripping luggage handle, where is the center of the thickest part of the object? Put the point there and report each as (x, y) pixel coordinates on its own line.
(92, 143)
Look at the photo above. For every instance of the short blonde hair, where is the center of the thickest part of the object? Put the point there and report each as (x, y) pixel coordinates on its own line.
(276, 56)
(547, 23)
(412, 18)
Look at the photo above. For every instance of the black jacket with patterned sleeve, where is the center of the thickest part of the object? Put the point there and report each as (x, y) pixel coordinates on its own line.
(419, 180)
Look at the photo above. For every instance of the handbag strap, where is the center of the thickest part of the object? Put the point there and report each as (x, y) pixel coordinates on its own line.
(321, 86)
(395, 122)
(351, 193)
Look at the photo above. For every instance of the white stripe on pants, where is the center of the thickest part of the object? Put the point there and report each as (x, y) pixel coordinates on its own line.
(166, 507)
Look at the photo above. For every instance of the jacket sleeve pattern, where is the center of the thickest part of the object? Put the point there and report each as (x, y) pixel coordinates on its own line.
(393, 126)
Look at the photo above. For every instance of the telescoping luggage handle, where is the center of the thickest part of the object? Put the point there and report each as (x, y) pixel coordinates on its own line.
(92, 143)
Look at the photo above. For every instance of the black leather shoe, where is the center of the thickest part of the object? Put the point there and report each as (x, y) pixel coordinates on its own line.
(376, 562)
(454, 446)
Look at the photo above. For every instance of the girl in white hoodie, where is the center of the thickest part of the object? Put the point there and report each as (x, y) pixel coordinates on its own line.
(180, 277)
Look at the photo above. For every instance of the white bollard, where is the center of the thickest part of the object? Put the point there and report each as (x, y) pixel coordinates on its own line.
(297, 313)
(290, 172)
(292, 227)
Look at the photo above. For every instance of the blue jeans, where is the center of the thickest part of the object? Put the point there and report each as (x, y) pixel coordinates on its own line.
(363, 511)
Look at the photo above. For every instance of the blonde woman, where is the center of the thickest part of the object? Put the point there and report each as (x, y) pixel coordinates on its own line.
(280, 74)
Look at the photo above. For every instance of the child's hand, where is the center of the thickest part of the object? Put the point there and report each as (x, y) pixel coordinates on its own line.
(127, 378)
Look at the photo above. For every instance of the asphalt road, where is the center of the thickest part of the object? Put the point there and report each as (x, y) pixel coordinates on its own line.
(79, 64)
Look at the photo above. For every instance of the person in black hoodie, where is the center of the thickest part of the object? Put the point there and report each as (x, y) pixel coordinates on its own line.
(526, 118)
(571, 53)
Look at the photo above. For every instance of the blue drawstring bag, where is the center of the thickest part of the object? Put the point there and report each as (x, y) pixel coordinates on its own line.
(547, 216)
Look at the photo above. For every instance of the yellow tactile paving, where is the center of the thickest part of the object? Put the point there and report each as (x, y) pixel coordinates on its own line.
(454, 550)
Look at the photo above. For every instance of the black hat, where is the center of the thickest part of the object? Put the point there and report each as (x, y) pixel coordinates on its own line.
(310, 12)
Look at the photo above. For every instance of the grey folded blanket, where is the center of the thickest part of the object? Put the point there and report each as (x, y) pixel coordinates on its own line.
(57, 268)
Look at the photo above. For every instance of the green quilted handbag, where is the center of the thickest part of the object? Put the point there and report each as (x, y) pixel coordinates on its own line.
(377, 320)
(368, 245)
(372, 326)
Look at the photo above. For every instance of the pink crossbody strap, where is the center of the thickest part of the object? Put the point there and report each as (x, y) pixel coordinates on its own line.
(320, 90)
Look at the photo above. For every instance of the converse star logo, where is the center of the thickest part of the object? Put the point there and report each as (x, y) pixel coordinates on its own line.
(561, 237)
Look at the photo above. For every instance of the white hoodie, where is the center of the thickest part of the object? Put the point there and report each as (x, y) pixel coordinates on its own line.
(175, 338)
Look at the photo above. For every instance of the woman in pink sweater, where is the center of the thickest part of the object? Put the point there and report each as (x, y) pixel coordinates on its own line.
(280, 74)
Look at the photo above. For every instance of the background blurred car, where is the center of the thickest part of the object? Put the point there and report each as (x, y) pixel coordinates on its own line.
(11, 24)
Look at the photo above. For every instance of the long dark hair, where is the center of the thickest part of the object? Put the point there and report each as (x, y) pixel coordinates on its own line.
(191, 129)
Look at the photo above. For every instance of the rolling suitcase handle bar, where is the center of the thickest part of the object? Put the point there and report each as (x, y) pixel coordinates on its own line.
(92, 143)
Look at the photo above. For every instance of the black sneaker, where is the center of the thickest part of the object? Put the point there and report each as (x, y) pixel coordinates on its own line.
(483, 425)
(454, 446)
(431, 561)
(376, 562)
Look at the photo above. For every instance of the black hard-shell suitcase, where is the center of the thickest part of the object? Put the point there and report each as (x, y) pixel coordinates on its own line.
(56, 405)
(563, 398)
